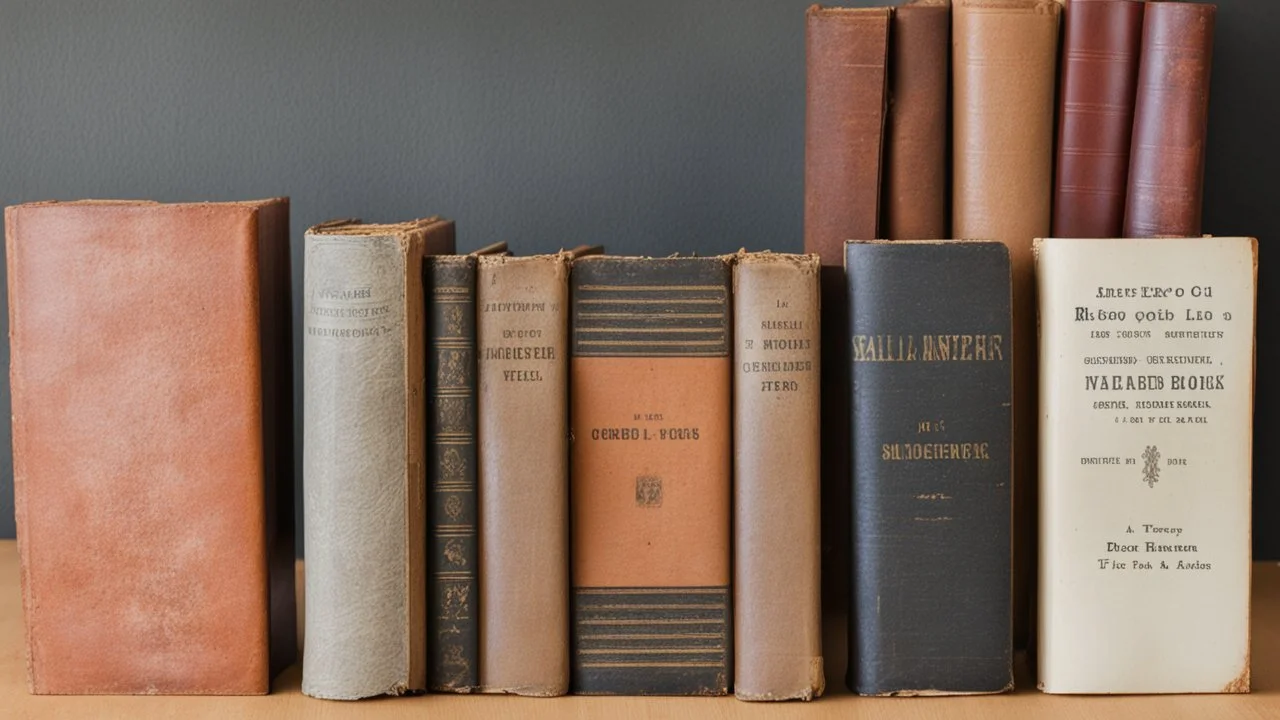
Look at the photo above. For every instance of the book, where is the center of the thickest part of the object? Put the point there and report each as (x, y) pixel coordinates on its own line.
(151, 376)
(1101, 44)
(1147, 387)
(932, 474)
(650, 424)
(453, 630)
(1170, 122)
(915, 143)
(777, 610)
(1004, 67)
(846, 51)
(522, 326)
(364, 426)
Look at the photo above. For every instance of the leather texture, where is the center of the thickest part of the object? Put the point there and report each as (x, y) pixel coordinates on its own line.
(846, 54)
(1004, 68)
(522, 336)
(1171, 119)
(364, 443)
(777, 595)
(1101, 45)
(914, 197)
(453, 625)
(932, 470)
(650, 422)
(150, 373)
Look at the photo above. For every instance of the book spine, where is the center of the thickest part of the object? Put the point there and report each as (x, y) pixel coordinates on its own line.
(932, 440)
(452, 625)
(522, 336)
(846, 54)
(1171, 118)
(650, 422)
(1004, 66)
(1100, 49)
(1147, 388)
(363, 426)
(776, 584)
(915, 144)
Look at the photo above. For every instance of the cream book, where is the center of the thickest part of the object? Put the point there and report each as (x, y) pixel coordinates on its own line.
(1146, 386)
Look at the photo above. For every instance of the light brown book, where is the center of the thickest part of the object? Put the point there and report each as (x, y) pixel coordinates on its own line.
(152, 444)
(777, 612)
(364, 445)
(1004, 69)
(522, 330)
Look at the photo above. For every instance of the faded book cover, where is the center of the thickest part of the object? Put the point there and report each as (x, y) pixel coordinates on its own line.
(1145, 467)
(151, 375)
(777, 609)
(931, 364)
(650, 425)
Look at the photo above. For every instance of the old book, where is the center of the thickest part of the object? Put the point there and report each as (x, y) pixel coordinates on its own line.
(364, 421)
(1004, 69)
(915, 143)
(1100, 50)
(522, 334)
(1171, 119)
(151, 379)
(453, 630)
(1147, 387)
(846, 53)
(932, 474)
(776, 583)
(650, 424)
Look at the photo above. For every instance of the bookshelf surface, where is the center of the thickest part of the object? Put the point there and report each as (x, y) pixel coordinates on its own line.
(287, 702)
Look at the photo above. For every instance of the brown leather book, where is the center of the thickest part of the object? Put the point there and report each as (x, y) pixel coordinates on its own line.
(650, 427)
(777, 612)
(1171, 118)
(915, 144)
(1100, 50)
(153, 445)
(846, 55)
(1004, 69)
(522, 328)
(364, 447)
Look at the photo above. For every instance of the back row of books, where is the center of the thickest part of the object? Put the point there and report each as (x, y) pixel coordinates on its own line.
(577, 472)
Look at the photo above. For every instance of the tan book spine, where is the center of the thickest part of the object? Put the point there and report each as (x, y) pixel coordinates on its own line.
(522, 331)
(1004, 69)
(776, 584)
(363, 462)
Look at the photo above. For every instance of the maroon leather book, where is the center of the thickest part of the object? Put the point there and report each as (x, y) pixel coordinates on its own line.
(1171, 116)
(1100, 50)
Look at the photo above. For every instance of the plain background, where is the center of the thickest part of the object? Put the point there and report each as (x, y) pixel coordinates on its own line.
(652, 127)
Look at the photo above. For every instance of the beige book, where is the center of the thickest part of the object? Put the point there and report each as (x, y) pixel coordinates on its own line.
(521, 330)
(363, 446)
(776, 583)
(1146, 386)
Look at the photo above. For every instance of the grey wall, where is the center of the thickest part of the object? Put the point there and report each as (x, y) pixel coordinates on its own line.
(652, 127)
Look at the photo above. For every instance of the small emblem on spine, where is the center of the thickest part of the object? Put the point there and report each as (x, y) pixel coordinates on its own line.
(648, 491)
(1151, 465)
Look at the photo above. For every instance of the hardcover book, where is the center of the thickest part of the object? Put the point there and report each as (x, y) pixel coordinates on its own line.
(776, 550)
(650, 423)
(151, 375)
(932, 476)
(1147, 387)
(364, 424)
(522, 337)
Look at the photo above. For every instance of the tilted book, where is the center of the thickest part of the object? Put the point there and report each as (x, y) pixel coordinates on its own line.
(364, 425)
(1146, 435)
(931, 362)
(151, 375)
(776, 493)
(650, 425)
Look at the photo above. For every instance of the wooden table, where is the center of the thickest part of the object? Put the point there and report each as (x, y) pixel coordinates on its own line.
(287, 702)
